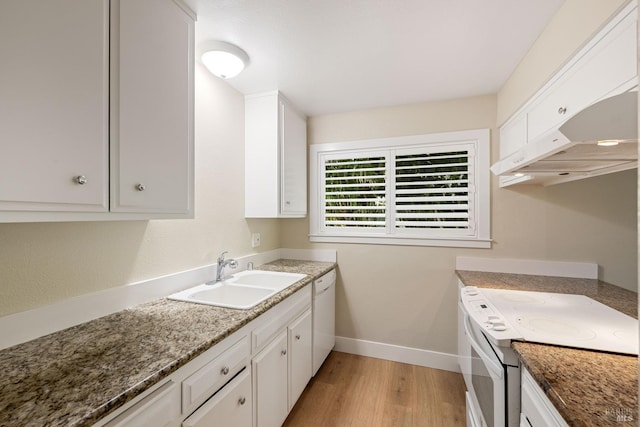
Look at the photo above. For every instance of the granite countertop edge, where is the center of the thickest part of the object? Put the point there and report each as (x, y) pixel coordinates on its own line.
(85, 416)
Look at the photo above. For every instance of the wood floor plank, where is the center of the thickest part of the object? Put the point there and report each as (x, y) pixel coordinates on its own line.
(351, 390)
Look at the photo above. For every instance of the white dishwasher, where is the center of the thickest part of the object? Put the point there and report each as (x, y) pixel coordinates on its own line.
(324, 318)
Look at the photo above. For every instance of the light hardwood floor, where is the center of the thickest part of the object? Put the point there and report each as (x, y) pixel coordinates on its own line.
(351, 390)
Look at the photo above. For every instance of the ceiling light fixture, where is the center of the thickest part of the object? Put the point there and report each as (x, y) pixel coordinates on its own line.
(223, 59)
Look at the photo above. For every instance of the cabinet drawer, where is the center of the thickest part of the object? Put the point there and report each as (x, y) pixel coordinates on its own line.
(608, 65)
(158, 409)
(231, 406)
(207, 380)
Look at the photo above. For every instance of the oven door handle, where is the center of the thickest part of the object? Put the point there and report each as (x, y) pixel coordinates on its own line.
(495, 368)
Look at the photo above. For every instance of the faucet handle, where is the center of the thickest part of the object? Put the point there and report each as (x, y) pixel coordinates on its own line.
(233, 263)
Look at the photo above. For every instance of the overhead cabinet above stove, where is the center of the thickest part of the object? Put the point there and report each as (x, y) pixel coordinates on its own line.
(553, 137)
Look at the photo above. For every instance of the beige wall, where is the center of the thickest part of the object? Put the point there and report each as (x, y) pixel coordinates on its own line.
(43, 263)
(571, 27)
(407, 295)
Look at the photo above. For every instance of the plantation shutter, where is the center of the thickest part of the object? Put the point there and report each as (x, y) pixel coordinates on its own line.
(422, 190)
(434, 190)
(354, 195)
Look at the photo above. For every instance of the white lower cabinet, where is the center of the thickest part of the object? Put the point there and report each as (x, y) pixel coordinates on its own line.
(536, 410)
(270, 383)
(230, 407)
(158, 409)
(198, 387)
(281, 372)
(283, 367)
(300, 356)
(252, 378)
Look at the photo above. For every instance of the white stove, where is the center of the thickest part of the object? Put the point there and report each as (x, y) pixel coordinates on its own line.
(550, 318)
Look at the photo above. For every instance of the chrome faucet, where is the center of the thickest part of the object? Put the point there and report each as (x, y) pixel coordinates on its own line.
(222, 263)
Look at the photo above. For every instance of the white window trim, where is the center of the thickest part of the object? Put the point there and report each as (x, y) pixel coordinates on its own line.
(479, 137)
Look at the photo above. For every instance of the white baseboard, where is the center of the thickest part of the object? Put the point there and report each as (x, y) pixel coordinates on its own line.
(581, 270)
(27, 325)
(396, 353)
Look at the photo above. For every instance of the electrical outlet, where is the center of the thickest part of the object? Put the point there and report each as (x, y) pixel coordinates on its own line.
(255, 240)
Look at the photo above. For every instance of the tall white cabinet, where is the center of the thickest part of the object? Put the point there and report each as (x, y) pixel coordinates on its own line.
(54, 105)
(96, 110)
(275, 158)
(151, 106)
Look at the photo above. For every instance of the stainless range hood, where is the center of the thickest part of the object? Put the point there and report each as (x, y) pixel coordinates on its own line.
(578, 148)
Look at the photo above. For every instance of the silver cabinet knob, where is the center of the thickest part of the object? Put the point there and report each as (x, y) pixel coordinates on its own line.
(242, 400)
(283, 352)
(298, 337)
(141, 187)
(81, 179)
(562, 110)
(224, 371)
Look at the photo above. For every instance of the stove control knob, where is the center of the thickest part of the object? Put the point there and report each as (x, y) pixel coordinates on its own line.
(496, 320)
(499, 327)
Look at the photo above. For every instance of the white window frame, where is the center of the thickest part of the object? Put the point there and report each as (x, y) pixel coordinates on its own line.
(477, 237)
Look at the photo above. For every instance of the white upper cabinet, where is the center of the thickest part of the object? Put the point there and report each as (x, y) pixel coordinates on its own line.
(275, 158)
(96, 110)
(151, 107)
(54, 104)
(604, 67)
(513, 135)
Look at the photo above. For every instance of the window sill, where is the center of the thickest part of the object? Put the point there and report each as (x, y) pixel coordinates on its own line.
(402, 241)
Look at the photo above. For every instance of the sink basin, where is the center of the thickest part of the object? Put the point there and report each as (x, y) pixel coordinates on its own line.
(243, 290)
(265, 279)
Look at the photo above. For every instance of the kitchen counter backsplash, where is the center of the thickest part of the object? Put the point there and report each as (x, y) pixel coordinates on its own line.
(77, 376)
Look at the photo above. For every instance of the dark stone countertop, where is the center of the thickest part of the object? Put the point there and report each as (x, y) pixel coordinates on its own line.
(77, 376)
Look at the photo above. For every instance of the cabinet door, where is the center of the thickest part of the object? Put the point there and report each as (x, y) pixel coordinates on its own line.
(607, 66)
(151, 107)
(293, 135)
(270, 383)
(54, 105)
(160, 409)
(513, 136)
(300, 356)
(536, 407)
(230, 407)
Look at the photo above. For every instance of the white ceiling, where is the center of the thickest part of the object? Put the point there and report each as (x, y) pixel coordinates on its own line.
(331, 56)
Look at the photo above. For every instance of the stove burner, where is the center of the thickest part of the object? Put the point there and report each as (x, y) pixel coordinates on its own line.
(519, 298)
(560, 319)
(556, 328)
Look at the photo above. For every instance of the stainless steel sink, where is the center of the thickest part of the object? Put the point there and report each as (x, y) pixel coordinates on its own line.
(243, 290)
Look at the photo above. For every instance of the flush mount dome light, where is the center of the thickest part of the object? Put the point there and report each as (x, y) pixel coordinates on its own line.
(224, 59)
